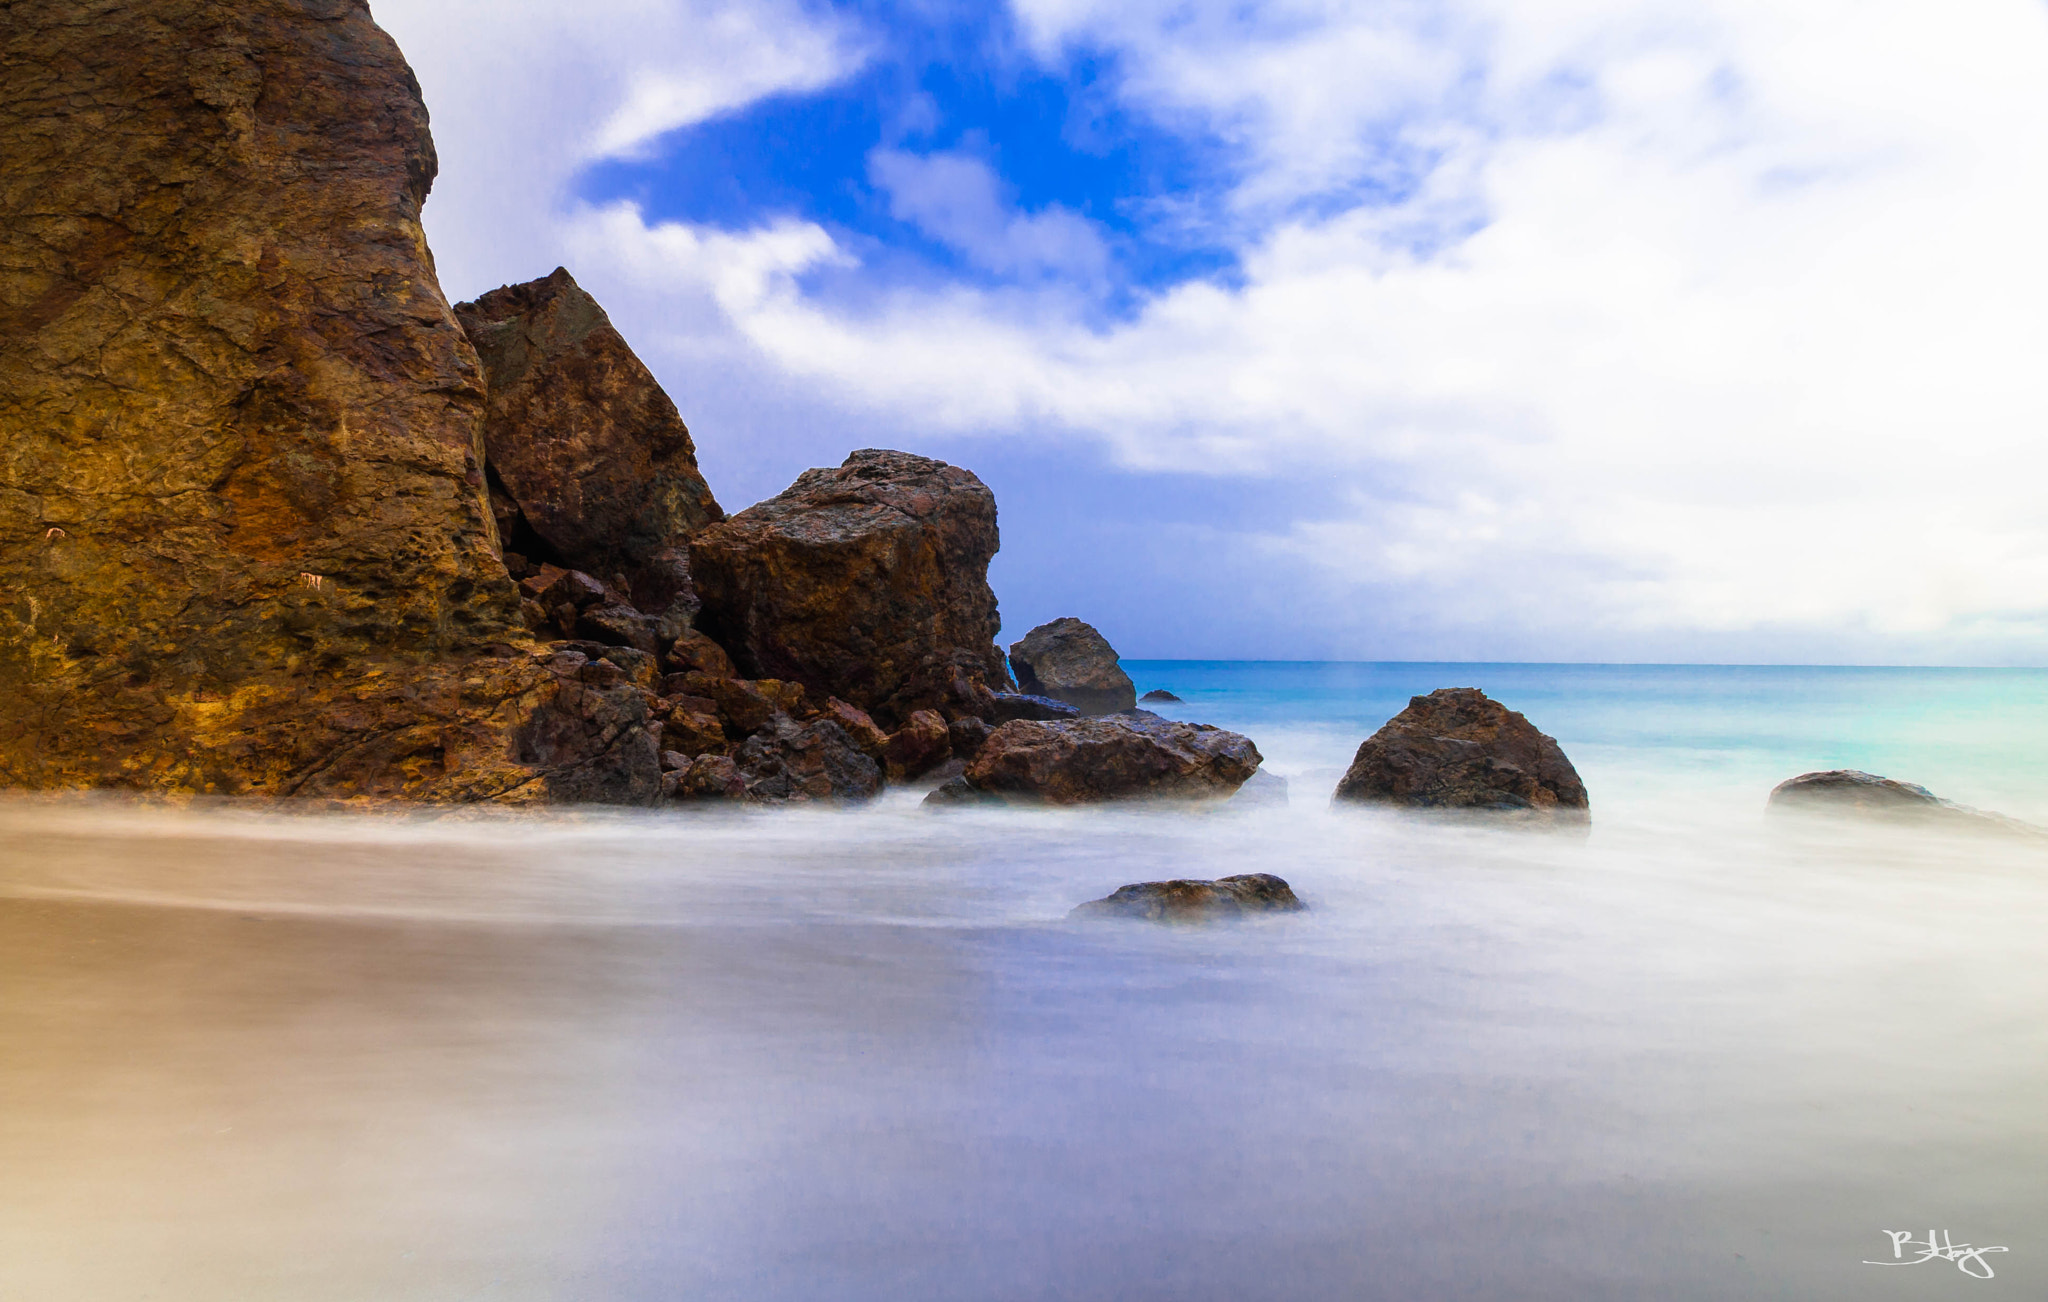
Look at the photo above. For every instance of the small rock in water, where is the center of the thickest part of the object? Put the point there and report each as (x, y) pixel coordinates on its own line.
(1070, 661)
(1866, 795)
(1197, 901)
(1457, 749)
(1134, 754)
(1159, 694)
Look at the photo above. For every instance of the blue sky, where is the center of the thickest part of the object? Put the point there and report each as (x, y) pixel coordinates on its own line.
(1595, 330)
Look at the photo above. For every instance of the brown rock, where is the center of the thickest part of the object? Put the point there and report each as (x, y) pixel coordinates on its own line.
(1120, 756)
(919, 746)
(873, 742)
(967, 737)
(245, 545)
(1458, 749)
(1862, 795)
(693, 732)
(746, 705)
(695, 653)
(1069, 661)
(591, 466)
(789, 762)
(709, 777)
(1225, 899)
(868, 582)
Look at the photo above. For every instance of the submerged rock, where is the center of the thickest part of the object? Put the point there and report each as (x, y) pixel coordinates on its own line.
(590, 464)
(1117, 757)
(868, 582)
(245, 542)
(1456, 749)
(1069, 661)
(1160, 694)
(1196, 901)
(1866, 795)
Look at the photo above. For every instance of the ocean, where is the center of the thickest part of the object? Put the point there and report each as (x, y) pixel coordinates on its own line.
(768, 1055)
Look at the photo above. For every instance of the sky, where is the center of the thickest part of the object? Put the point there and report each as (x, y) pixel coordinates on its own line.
(1581, 330)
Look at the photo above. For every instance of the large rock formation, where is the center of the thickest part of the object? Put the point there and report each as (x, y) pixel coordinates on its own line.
(590, 465)
(1118, 757)
(868, 582)
(1852, 793)
(1457, 749)
(1225, 899)
(245, 545)
(1069, 661)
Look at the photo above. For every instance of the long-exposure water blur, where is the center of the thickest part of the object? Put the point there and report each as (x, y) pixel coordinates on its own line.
(1698, 1054)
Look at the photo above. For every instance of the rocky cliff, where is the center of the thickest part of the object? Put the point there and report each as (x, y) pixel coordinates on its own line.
(590, 465)
(245, 545)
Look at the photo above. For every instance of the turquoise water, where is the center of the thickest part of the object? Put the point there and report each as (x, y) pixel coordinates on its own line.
(1726, 734)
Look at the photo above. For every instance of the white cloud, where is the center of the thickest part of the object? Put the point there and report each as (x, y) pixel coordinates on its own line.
(956, 199)
(527, 93)
(1749, 336)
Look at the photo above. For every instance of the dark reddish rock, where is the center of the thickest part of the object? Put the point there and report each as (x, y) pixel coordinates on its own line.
(693, 732)
(245, 541)
(709, 777)
(919, 746)
(1069, 661)
(968, 736)
(1162, 695)
(617, 624)
(590, 465)
(868, 582)
(1121, 756)
(1456, 749)
(695, 653)
(788, 762)
(957, 791)
(1225, 899)
(1006, 706)
(674, 760)
(1868, 796)
(873, 742)
(746, 705)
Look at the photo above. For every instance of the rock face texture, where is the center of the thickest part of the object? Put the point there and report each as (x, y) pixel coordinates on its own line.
(1457, 749)
(1137, 754)
(1069, 661)
(1225, 899)
(868, 582)
(591, 467)
(1868, 796)
(245, 545)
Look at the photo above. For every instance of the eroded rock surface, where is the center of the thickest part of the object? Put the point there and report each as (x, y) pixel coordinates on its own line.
(591, 466)
(245, 546)
(868, 582)
(816, 761)
(1069, 661)
(1457, 749)
(1225, 899)
(1117, 757)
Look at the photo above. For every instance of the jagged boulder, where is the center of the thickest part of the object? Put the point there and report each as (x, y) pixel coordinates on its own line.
(589, 463)
(1069, 661)
(1856, 794)
(1225, 899)
(1005, 706)
(868, 582)
(789, 762)
(1136, 754)
(1457, 749)
(245, 544)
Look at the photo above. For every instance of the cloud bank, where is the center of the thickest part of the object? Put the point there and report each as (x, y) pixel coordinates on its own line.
(1706, 330)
